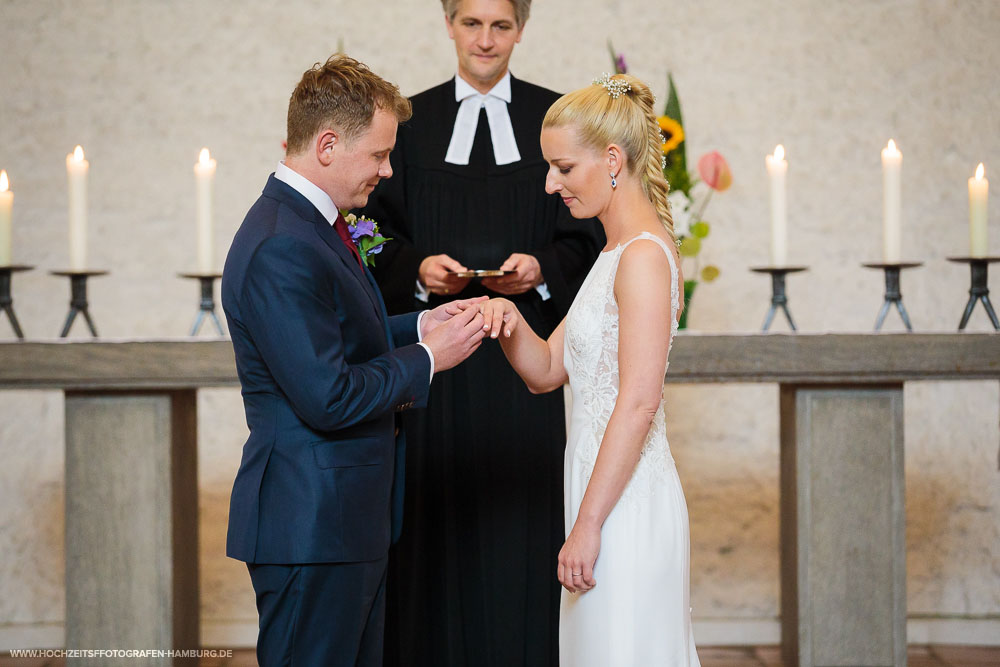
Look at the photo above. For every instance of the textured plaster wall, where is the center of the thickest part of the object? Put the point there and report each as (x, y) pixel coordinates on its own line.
(144, 85)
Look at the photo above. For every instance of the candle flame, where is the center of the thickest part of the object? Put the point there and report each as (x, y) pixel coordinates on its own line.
(980, 172)
(78, 154)
(204, 157)
(4, 183)
(891, 148)
(779, 152)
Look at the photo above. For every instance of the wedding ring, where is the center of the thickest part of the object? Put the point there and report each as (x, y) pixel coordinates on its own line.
(577, 574)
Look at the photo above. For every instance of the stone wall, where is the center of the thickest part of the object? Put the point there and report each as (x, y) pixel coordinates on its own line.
(143, 86)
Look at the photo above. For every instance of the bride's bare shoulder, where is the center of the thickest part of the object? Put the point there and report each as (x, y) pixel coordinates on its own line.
(649, 248)
(643, 263)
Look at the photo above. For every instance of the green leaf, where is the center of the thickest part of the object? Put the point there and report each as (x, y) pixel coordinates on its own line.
(677, 177)
(700, 229)
(614, 56)
(689, 286)
(673, 110)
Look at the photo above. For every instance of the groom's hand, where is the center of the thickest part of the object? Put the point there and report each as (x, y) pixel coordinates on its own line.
(435, 318)
(453, 341)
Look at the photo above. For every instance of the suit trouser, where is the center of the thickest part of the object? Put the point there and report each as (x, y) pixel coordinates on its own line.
(322, 614)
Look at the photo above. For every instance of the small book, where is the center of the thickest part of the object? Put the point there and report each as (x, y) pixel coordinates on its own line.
(481, 273)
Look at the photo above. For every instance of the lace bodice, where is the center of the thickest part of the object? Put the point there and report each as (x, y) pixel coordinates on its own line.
(591, 360)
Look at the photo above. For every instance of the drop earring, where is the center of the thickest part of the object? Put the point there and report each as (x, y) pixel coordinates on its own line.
(614, 183)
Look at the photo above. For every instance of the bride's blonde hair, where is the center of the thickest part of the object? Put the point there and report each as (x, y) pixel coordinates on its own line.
(619, 110)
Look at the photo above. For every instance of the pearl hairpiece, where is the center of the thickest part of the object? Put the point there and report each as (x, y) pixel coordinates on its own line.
(615, 87)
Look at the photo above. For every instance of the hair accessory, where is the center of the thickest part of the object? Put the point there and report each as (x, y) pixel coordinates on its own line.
(615, 87)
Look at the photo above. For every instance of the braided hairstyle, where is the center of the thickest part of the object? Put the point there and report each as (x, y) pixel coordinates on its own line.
(619, 110)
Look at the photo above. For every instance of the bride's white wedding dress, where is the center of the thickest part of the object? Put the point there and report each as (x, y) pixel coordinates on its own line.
(639, 612)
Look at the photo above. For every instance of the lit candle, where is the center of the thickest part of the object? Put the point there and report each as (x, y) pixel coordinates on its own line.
(892, 165)
(6, 205)
(777, 168)
(76, 169)
(204, 174)
(979, 189)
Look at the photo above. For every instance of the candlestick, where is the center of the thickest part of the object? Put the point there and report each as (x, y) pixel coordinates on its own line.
(6, 208)
(892, 164)
(207, 304)
(979, 189)
(6, 300)
(779, 300)
(78, 304)
(893, 295)
(204, 174)
(777, 168)
(76, 169)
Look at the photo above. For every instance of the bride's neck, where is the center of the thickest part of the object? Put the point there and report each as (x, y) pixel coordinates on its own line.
(629, 213)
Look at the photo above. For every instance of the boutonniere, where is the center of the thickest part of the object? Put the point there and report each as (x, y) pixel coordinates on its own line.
(365, 234)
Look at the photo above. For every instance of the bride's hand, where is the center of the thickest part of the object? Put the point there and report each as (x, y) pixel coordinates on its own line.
(577, 558)
(499, 315)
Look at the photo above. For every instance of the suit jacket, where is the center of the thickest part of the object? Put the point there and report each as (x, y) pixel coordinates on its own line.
(321, 476)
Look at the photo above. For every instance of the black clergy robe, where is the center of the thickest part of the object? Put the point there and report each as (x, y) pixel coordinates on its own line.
(472, 580)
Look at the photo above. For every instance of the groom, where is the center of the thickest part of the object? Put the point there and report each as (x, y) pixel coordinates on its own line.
(324, 371)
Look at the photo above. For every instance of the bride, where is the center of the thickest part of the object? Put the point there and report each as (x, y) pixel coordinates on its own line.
(624, 566)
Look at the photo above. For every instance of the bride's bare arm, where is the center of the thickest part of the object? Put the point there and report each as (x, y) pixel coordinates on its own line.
(643, 332)
(539, 362)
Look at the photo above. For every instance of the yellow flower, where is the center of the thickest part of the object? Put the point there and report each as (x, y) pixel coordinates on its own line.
(673, 133)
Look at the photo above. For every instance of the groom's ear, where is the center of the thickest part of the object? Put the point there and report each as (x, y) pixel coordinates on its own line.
(326, 145)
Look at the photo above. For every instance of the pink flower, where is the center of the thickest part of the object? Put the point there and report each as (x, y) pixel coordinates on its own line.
(714, 170)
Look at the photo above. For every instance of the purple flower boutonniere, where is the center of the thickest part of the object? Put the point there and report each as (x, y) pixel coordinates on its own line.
(365, 234)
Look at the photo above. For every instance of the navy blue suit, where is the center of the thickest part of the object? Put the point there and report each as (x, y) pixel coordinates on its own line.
(323, 371)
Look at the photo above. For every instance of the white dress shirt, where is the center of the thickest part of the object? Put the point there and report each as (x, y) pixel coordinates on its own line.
(501, 131)
(318, 198)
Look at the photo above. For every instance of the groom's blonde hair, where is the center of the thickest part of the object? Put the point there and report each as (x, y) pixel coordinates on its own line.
(522, 8)
(341, 94)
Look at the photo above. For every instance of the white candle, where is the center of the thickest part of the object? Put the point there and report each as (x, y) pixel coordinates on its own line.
(204, 174)
(6, 206)
(777, 168)
(892, 165)
(979, 190)
(77, 168)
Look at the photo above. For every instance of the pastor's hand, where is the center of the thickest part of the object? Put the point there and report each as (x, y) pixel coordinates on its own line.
(527, 275)
(437, 274)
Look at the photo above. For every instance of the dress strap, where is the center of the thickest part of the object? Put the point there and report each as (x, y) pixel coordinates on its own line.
(674, 288)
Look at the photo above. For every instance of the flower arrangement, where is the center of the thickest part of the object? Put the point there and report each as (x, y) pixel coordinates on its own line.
(365, 234)
(689, 194)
